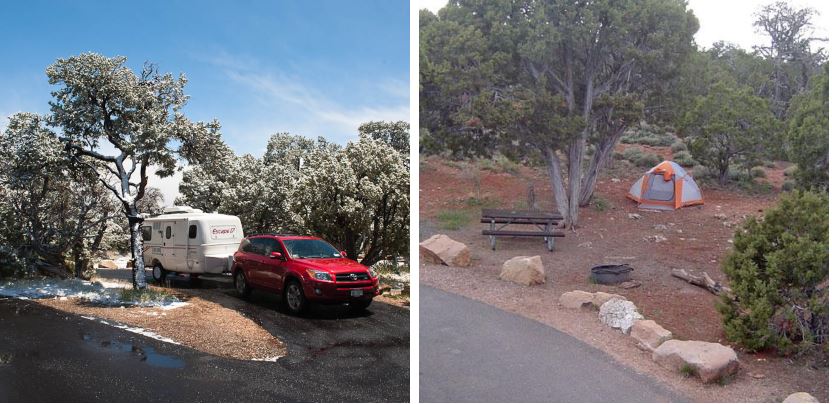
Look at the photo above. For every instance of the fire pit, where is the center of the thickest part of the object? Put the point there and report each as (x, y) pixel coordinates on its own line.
(610, 274)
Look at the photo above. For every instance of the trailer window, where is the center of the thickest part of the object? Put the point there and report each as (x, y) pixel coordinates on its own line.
(167, 232)
(192, 231)
(147, 233)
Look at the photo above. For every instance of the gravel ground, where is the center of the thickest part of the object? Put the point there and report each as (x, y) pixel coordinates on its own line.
(202, 324)
(697, 240)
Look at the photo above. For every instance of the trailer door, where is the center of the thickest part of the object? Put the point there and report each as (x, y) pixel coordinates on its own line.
(169, 252)
(192, 245)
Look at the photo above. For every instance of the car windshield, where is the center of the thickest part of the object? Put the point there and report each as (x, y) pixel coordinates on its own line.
(310, 248)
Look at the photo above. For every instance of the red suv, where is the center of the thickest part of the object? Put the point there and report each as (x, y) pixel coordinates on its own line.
(304, 270)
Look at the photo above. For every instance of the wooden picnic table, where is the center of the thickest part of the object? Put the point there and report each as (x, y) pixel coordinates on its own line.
(546, 224)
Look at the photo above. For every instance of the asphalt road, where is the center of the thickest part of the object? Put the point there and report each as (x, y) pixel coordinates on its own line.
(334, 355)
(473, 352)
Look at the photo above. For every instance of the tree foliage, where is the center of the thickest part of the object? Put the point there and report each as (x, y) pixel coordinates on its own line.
(100, 101)
(793, 61)
(547, 78)
(53, 219)
(808, 133)
(728, 126)
(355, 196)
(778, 271)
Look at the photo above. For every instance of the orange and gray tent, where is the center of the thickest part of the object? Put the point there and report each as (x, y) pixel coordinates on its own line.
(666, 186)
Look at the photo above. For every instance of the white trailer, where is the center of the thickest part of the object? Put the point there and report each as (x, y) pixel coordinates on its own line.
(188, 240)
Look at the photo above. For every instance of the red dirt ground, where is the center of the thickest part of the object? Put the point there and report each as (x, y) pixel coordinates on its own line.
(696, 240)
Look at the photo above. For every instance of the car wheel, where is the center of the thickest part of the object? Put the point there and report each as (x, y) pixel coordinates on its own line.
(241, 285)
(293, 297)
(359, 305)
(159, 273)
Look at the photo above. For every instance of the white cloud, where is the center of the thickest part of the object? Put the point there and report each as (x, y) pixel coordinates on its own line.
(279, 88)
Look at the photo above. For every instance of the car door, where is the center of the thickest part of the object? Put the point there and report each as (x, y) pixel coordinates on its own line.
(273, 268)
(255, 264)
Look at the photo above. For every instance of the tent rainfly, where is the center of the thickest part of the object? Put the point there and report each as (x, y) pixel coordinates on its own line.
(666, 186)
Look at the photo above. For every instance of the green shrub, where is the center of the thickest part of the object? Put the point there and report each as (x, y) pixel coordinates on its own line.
(506, 165)
(758, 172)
(648, 160)
(453, 219)
(632, 154)
(790, 170)
(687, 370)
(788, 185)
(735, 174)
(144, 296)
(678, 146)
(684, 159)
(778, 271)
(488, 165)
(486, 202)
(770, 164)
(618, 156)
(700, 172)
(600, 204)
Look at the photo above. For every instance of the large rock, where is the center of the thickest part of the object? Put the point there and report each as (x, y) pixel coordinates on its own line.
(800, 397)
(707, 360)
(649, 334)
(109, 264)
(599, 298)
(442, 250)
(524, 270)
(576, 299)
(620, 314)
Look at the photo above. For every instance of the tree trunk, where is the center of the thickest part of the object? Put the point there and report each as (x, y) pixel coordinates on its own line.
(576, 150)
(553, 165)
(602, 154)
(723, 175)
(135, 220)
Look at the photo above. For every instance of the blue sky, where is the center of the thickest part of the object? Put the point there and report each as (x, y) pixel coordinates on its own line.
(314, 68)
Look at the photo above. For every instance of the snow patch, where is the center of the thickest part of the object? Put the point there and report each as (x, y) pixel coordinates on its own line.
(400, 278)
(135, 330)
(146, 333)
(94, 292)
(268, 359)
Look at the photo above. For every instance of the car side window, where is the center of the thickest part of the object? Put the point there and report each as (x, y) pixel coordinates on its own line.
(272, 245)
(258, 246)
(192, 231)
(245, 245)
(167, 232)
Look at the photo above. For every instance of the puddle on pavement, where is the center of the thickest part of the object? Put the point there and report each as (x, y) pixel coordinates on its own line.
(146, 353)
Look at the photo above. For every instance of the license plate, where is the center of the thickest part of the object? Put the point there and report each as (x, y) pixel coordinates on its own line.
(356, 293)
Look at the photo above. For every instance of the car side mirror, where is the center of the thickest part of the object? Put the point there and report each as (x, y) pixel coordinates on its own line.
(344, 254)
(276, 254)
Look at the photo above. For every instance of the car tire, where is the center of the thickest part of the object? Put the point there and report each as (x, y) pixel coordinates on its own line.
(293, 297)
(159, 273)
(241, 284)
(360, 305)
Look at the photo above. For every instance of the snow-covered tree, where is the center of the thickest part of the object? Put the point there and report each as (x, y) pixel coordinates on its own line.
(52, 218)
(119, 123)
(356, 196)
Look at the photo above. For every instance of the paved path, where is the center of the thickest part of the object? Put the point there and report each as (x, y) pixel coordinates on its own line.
(334, 356)
(473, 352)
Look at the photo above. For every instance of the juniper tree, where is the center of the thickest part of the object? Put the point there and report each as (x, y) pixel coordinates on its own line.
(118, 124)
(553, 77)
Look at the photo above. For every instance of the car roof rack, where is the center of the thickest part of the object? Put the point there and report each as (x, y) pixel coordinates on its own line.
(272, 234)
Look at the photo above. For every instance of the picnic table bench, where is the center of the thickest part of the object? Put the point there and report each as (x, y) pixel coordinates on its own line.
(546, 224)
